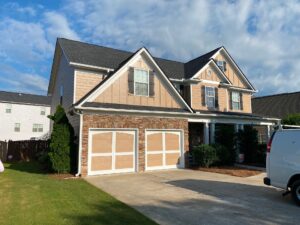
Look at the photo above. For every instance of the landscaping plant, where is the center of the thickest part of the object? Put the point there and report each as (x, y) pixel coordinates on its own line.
(62, 142)
(292, 119)
(205, 155)
(248, 143)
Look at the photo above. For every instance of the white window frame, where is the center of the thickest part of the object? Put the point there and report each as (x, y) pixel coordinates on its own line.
(214, 96)
(141, 83)
(43, 111)
(8, 108)
(17, 127)
(221, 65)
(37, 128)
(233, 100)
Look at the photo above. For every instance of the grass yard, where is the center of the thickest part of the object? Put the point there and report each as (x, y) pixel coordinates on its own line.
(28, 196)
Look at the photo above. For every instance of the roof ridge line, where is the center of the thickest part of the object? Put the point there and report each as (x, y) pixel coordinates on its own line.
(12, 92)
(285, 93)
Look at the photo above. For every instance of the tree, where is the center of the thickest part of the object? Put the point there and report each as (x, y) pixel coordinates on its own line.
(292, 119)
(62, 142)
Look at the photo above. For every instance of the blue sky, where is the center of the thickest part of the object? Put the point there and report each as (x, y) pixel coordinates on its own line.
(262, 36)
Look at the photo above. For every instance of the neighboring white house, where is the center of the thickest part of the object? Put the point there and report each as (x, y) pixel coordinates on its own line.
(23, 116)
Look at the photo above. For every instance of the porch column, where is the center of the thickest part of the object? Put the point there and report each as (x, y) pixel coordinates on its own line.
(236, 127)
(206, 133)
(268, 130)
(212, 132)
(241, 127)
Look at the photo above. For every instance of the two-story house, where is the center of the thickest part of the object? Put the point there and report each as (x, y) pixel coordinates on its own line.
(23, 116)
(135, 112)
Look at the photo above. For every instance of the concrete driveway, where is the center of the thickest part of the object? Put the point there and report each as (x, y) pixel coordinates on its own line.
(195, 197)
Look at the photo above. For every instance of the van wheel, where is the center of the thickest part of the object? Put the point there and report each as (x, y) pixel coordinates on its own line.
(296, 192)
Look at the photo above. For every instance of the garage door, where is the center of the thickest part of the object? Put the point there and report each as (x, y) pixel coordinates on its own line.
(111, 151)
(163, 150)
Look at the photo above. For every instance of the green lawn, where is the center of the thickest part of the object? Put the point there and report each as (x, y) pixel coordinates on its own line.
(28, 196)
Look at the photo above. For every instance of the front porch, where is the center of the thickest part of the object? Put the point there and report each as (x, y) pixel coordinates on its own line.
(210, 130)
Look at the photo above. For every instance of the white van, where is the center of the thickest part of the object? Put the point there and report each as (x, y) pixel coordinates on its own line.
(283, 161)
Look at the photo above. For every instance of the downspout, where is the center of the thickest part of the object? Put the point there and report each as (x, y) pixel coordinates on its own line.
(79, 143)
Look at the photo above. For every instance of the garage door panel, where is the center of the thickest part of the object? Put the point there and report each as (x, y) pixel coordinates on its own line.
(155, 160)
(102, 143)
(124, 142)
(172, 141)
(101, 163)
(172, 159)
(124, 161)
(111, 151)
(163, 149)
(154, 142)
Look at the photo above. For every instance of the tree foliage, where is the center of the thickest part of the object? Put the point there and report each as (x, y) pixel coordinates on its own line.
(62, 142)
(292, 119)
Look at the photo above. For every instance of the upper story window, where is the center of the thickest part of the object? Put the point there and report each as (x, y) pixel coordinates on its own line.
(61, 92)
(17, 127)
(43, 111)
(179, 88)
(222, 65)
(37, 128)
(236, 100)
(141, 82)
(8, 108)
(210, 97)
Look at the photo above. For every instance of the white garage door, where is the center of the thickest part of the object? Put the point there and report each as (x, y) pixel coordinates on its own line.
(164, 150)
(111, 151)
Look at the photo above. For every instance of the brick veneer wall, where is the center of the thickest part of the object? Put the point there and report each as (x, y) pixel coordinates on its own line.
(124, 121)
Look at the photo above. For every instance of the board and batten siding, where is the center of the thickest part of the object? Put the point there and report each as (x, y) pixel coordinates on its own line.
(118, 92)
(231, 72)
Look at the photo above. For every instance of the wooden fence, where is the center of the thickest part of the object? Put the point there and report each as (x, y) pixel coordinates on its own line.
(3, 150)
(22, 150)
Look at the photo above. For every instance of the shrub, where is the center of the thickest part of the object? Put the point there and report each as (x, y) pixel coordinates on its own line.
(62, 142)
(261, 154)
(225, 156)
(247, 141)
(292, 119)
(225, 142)
(205, 155)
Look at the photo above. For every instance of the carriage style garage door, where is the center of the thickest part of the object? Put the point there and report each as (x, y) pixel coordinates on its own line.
(111, 151)
(163, 149)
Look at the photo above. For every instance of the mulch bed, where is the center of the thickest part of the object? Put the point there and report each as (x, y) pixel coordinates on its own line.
(231, 170)
(61, 176)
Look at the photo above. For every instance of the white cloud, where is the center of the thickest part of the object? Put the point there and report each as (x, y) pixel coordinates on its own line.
(20, 9)
(23, 42)
(260, 35)
(19, 81)
(58, 26)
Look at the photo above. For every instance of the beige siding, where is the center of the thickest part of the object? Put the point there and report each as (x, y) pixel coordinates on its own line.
(231, 72)
(86, 81)
(118, 91)
(210, 74)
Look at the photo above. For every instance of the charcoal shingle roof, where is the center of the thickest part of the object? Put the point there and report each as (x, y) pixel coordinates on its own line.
(13, 97)
(100, 56)
(278, 106)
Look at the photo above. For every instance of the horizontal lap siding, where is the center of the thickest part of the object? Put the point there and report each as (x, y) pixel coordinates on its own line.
(85, 82)
(124, 121)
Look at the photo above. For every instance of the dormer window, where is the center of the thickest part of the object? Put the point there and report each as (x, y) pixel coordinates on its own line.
(141, 82)
(222, 65)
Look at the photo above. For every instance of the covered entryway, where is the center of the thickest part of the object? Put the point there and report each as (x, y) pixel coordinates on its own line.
(111, 151)
(164, 149)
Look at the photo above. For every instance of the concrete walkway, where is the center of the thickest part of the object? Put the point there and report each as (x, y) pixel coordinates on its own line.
(196, 197)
